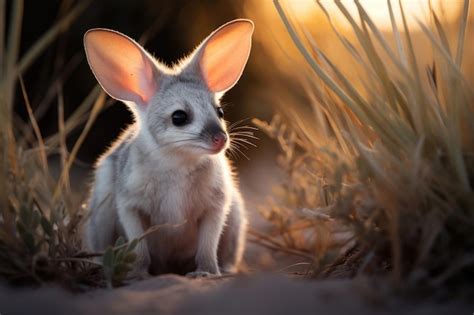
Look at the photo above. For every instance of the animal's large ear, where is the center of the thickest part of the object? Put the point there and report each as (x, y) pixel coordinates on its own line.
(223, 55)
(122, 66)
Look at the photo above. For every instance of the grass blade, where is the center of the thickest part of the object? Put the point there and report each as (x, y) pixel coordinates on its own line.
(396, 35)
(3, 10)
(96, 109)
(13, 48)
(378, 34)
(441, 33)
(41, 44)
(316, 68)
(36, 128)
(462, 33)
(76, 118)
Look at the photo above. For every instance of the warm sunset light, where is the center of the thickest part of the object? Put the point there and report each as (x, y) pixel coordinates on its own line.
(378, 10)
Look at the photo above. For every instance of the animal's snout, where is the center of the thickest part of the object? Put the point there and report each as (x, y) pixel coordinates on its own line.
(219, 140)
(215, 136)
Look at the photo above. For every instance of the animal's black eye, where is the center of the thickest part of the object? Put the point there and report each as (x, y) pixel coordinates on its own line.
(220, 112)
(179, 118)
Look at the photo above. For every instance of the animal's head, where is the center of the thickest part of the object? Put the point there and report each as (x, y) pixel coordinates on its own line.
(178, 107)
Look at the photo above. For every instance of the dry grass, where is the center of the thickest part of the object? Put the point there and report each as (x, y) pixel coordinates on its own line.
(39, 216)
(380, 176)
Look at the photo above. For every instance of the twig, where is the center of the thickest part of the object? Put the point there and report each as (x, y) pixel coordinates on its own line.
(274, 245)
(294, 265)
(145, 234)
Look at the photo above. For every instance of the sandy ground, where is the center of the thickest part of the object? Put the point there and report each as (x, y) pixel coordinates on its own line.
(262, 294)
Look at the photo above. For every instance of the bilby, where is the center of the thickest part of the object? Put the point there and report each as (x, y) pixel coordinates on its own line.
(170, 167)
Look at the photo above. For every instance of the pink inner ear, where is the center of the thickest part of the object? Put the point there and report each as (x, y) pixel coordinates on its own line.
(121, 66)
(225, 54)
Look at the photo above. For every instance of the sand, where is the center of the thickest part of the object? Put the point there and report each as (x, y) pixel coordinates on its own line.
(254, 294)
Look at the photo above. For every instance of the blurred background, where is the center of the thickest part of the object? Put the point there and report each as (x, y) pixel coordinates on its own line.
(272, 81)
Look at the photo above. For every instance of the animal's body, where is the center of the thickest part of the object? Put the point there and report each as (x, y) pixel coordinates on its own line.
(170, 168)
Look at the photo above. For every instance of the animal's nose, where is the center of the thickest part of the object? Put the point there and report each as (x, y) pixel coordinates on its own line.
(219, 139)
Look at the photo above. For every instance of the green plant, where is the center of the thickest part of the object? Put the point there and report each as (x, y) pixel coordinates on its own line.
(391, 162)
(117, 261)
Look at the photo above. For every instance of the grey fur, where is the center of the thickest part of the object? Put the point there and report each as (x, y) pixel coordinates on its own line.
(160, 174)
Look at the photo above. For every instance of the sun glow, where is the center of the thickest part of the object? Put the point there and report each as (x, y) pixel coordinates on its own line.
(378, 10)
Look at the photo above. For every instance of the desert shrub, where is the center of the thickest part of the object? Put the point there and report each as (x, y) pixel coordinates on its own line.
(380, 173)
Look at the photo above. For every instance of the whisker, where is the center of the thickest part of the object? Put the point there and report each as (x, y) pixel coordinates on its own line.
(231, 152)
(236, 123)
(242, 153)
(244, 138)
(245, 141)
(241, 144)
(245, 135)
(242, 132)
(233, 147)
(245, 127)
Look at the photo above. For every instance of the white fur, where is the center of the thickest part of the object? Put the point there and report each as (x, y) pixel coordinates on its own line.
(159, 174)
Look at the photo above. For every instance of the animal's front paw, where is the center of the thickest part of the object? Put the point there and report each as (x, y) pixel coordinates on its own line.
(201, 274)
(228, 270)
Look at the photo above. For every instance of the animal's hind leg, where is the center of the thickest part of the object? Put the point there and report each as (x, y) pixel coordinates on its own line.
(232, 241)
